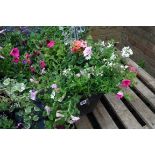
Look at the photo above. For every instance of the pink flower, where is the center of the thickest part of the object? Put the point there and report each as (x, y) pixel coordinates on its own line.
(54, 86)
(119, 95)
(15, 52)
(33, 94)
(83, 44)
(16, 59)
(87, 52)
(27, 56)
(126, 83)
(50, 44)
(42, 64)
(133, 69)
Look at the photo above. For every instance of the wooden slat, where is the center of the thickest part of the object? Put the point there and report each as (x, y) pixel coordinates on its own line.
(147, 78)
(145, 113)
(145, 92)
(123, 113)
(103, 117)
(84, 123)
(145, 127)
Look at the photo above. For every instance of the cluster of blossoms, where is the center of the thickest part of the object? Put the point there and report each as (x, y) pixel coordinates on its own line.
(27, 58)
(126, 83)
(80, 46)
(126, 52)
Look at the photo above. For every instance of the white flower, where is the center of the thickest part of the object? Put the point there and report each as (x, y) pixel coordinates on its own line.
(34, 81)
(103, 43)
(58, 114)
(43, 71)
(78, 75)
(22, 87)
(113, 57)
(88, 57)
(48, 109)
(73, 119)
(126, 52)
(66, 71)
(109, 45)
(53, 94)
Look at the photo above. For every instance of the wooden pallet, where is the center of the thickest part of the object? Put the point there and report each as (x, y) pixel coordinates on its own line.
(138, 113)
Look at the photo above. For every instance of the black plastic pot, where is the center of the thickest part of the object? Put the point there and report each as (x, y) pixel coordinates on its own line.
(87, 106)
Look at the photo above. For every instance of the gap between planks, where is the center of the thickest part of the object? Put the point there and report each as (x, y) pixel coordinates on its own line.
(123, 113)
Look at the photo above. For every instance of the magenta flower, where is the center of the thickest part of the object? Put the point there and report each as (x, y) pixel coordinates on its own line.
(15, 53)
(50, 44)
(42, 64)
(126, 83)
(119, 95)
(33, 94)
(54, 86)
(16, 59)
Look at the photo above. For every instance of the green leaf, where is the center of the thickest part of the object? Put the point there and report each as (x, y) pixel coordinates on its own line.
(35, 118)
(28, 110)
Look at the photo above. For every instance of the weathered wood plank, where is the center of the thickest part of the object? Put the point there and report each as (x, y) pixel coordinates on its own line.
(147, 78)
(84, 123)
(146, 127)
(123, 113)
(103, 117)
(145, 113)
(145, 92)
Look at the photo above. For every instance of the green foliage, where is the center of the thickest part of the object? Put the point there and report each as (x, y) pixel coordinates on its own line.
(74, 75)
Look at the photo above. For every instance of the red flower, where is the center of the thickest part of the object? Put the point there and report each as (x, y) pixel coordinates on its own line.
(42, 64)
(126, 83)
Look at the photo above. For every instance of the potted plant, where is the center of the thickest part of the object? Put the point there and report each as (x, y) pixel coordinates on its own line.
(53, 83)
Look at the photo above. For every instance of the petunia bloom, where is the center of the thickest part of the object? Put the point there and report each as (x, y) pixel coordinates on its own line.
(76, 46)
(119, 95)
(42, 64)
(24, 61)
(33, 94)
(50, 44)
(87, 53)
(15, 52)
(54, 86)
(126, 83)
(16, 59)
